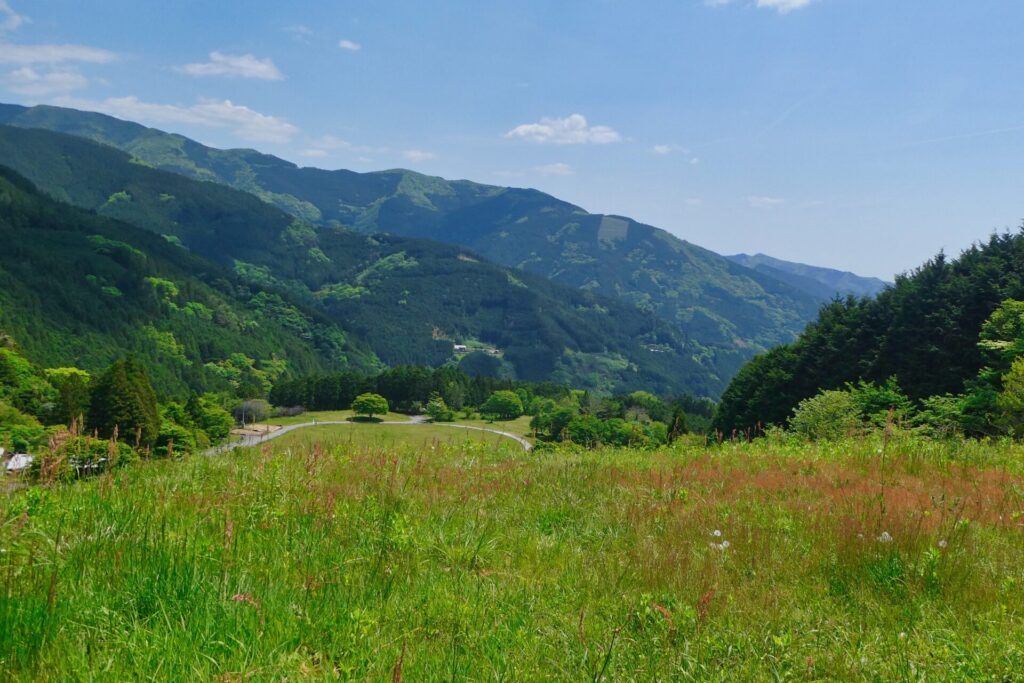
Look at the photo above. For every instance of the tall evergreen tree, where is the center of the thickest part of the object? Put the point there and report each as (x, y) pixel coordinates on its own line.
(123, 397)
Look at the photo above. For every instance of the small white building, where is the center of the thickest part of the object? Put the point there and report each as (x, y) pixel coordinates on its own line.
(461, 348)
(18, 463)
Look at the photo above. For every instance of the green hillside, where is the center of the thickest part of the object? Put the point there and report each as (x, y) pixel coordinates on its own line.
(924, 331)
(84, 290)
(407, 300)
(730, 310)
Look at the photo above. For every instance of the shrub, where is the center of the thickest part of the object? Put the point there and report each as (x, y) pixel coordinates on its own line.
(505, 405)
(829, 415)
(438, 410)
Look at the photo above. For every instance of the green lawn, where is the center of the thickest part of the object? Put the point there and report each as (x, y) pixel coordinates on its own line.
(316, 558)
(330, 415)
(387, 436)
(520, 425)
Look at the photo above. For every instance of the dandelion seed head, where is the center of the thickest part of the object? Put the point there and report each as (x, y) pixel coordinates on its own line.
(885, 537)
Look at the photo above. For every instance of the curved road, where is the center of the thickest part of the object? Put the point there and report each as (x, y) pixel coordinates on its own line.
(414, 420)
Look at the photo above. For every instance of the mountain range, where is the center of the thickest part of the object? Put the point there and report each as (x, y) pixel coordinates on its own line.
(402, 300)
(320, 234)
(815, 280)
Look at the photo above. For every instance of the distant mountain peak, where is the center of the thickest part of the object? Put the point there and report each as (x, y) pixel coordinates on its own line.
(813, 278)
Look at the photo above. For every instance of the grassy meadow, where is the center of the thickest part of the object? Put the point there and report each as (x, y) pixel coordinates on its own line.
(317, 558)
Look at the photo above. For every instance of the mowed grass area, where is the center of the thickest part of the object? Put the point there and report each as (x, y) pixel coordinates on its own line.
(519, 426)
(383, 436)
(324, 560)
(330, 416)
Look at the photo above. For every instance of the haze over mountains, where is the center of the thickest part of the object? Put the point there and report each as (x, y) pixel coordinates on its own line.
(333, 253)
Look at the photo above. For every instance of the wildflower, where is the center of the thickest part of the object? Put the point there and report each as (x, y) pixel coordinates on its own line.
(885, 537)
(942, 543)
(717, 533)
(720, 546)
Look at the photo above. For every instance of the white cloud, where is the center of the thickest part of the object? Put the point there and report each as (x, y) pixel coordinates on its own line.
(29, 81)
(349, 45)
(783, 6)
(234, 66)
(417, 155)
(780, 6)
(762, 202)
(554, 169)
(53, 54)
(572, 130)
(9, 19)
(313, 153)
(244, 122)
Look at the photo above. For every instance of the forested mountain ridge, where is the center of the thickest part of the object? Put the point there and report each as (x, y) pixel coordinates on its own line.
(84, 290)
(407, 300)
(814, 280)
(923, 331)
(729, 310)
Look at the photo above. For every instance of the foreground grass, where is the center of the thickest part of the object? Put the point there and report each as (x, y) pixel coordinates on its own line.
(317, 561)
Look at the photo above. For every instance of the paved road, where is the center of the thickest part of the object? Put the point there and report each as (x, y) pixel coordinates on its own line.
(411, 422)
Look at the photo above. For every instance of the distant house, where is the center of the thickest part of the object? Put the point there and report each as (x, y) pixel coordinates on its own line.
(461, 348)
(18, 463)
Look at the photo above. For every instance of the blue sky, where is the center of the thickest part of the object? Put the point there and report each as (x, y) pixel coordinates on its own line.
(857, 134)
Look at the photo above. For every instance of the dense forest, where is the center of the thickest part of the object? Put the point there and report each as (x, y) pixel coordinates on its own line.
(950, 328)
(399, 300)
(84, 290)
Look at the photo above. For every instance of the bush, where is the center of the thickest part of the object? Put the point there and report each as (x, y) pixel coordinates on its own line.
(504, 405)
(828, 416)
(438, 410)
(253, 410)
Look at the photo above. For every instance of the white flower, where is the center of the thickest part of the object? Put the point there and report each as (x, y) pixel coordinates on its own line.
(885, 537)
(942, 543)
(724, 544)
(717, 533)
(720, 546)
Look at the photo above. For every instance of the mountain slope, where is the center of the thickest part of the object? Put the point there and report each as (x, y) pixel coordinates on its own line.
(730, 310)
(408, 300)
(813, 279)
(80, 289)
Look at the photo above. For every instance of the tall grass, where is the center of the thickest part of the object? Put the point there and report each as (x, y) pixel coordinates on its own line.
(857, 560)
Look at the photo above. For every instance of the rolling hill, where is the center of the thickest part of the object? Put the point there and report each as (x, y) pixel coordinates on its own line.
(727, 309)
(406, 300)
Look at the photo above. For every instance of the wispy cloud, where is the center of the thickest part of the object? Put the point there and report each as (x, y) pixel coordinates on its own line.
(966, 136)
(558, 168)
(313, 153)
(29, 81)
(349, 45)
(784, 6)
(53, 54)
(665, 150)
(763, 202)
(571, 130)
(780, 6)
(9, 19)
(234, 66)
(299, 32)
(417, 155)
(242, 121)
